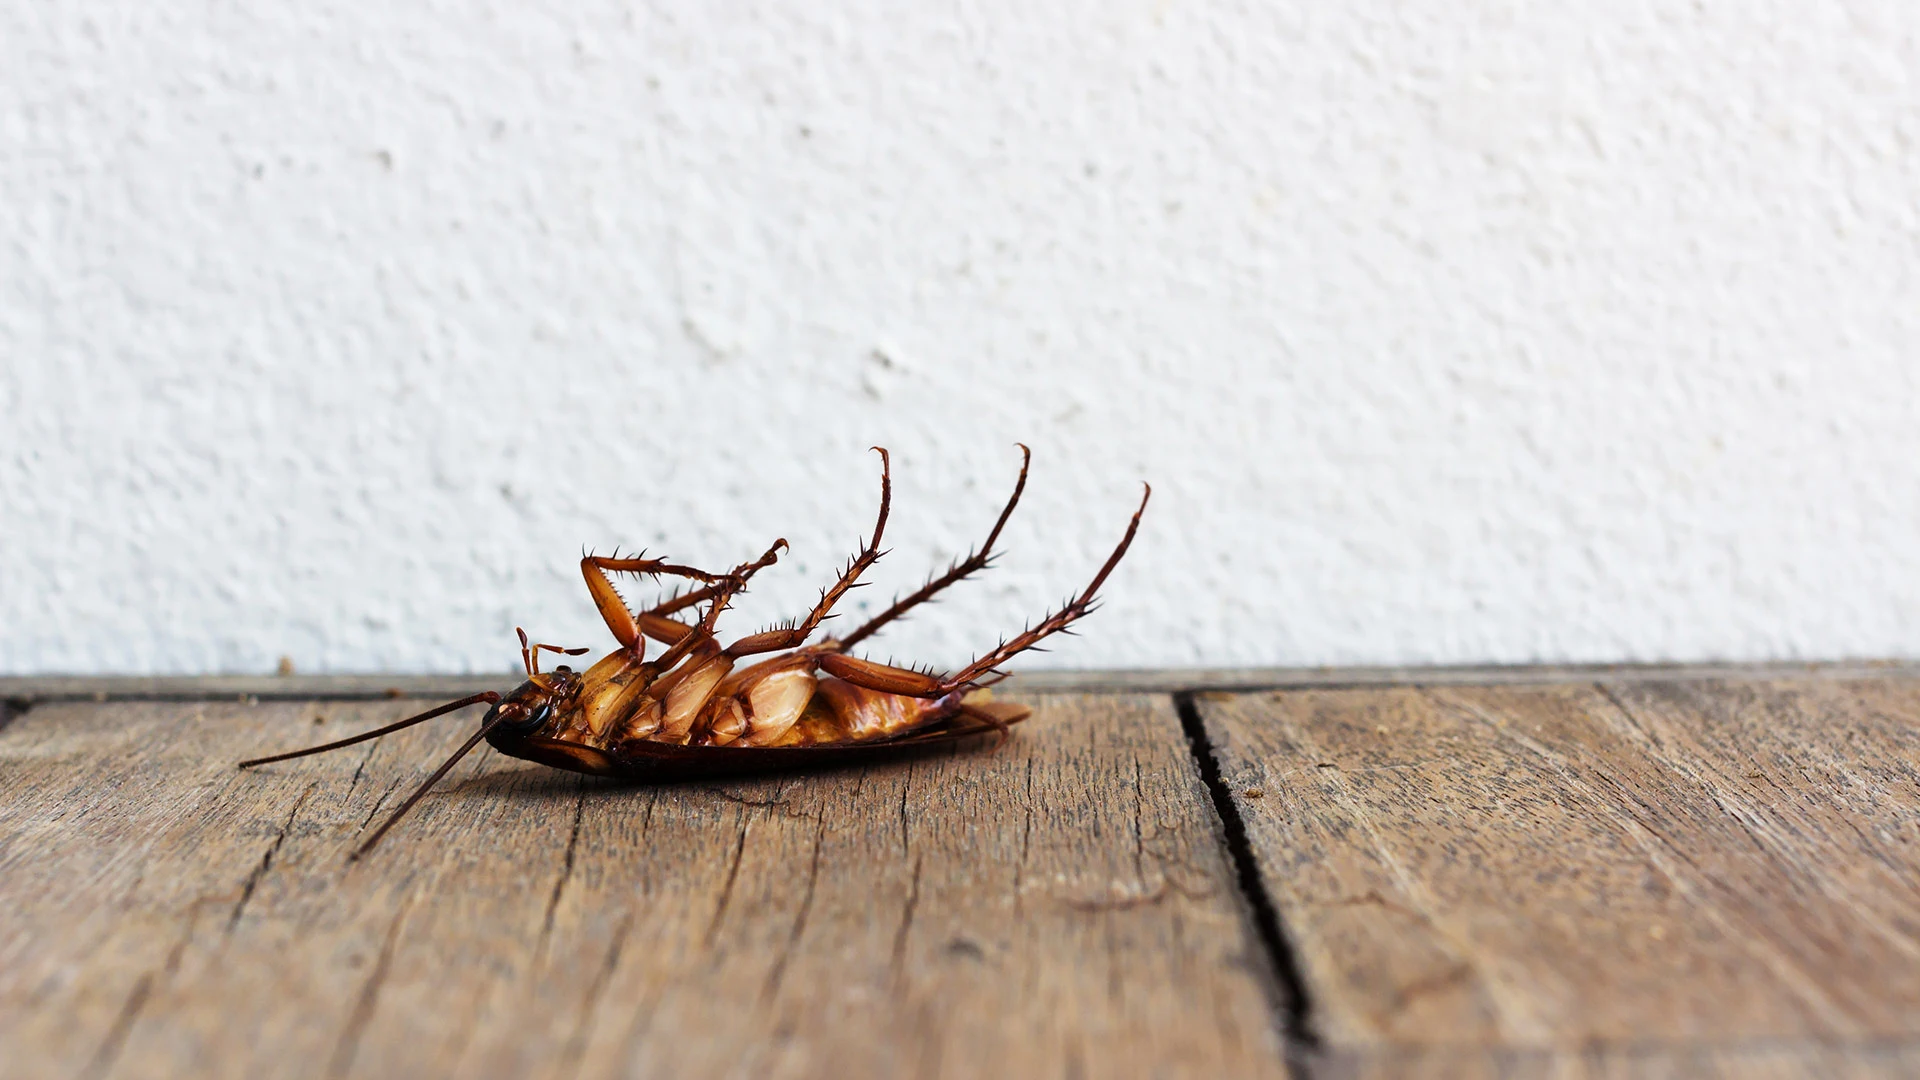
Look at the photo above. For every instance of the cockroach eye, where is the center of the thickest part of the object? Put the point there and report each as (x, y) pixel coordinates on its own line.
(516, 717)
(533, 720)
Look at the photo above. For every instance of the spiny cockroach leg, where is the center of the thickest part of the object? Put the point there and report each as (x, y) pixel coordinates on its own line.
(895, 680)
(883, 678)
(619, 618)
(656, 624)
(973, 563)
(1059, 620)
(530, 654)
(788, 637)
(730, 585)
(489, 697)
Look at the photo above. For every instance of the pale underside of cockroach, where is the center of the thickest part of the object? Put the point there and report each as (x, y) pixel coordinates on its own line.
(696, 711)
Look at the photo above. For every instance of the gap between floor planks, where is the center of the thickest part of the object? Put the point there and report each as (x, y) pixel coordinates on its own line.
(1685, 877)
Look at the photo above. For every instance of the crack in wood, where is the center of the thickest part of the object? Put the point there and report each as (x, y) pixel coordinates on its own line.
(742, 800)
(378, 803)
(1139, 829)
(359, 771)
(779, 972)
(566, 873)
(266, 859)
(906, 786)
(726, 889)
(1282, 968)
(906, 924)
(1026, 841)
(646, 821)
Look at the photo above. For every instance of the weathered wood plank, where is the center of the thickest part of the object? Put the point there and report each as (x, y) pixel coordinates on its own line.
(41, 688)
(1054, 905)
(1672, 870)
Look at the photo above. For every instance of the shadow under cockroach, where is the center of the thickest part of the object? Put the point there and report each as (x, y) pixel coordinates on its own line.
(541, 784)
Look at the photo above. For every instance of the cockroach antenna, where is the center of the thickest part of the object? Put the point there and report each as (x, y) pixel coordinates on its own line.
(421, 791)
(488, 696)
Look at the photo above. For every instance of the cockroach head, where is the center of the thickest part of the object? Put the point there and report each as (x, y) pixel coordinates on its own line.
(531, 704)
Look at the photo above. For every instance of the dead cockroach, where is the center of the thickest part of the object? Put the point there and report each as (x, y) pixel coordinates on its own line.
(690, 712)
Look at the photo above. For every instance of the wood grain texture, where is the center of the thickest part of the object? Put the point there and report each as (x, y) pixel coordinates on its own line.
(1057, 905)
(1680, 878)
(1628, 876)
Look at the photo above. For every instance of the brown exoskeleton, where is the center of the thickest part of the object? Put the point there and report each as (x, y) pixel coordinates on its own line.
(695, 711)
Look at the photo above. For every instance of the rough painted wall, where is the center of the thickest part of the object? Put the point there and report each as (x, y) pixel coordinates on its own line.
(1462, 332)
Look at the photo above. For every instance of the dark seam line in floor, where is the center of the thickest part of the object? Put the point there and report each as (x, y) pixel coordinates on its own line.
(1296, 1011)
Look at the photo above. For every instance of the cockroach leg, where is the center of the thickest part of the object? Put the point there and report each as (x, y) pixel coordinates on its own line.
(656, 624)
(884, 678)
(682, 601)
(974, 562)
(895, 680)
(618, 617)
(489, 697)
(1074, 610)
(530, 654)
(733, 583)
(788, 637)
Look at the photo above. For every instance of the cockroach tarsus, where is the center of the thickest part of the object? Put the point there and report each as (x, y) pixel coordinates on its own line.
(693, 711)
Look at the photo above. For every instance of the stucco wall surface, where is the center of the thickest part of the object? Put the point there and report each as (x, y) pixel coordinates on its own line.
(1445, 332)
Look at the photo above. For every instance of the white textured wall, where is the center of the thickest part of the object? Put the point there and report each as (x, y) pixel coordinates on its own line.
(1446, 332)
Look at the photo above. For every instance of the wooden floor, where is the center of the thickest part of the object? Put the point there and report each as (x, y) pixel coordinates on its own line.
(1568, 872)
